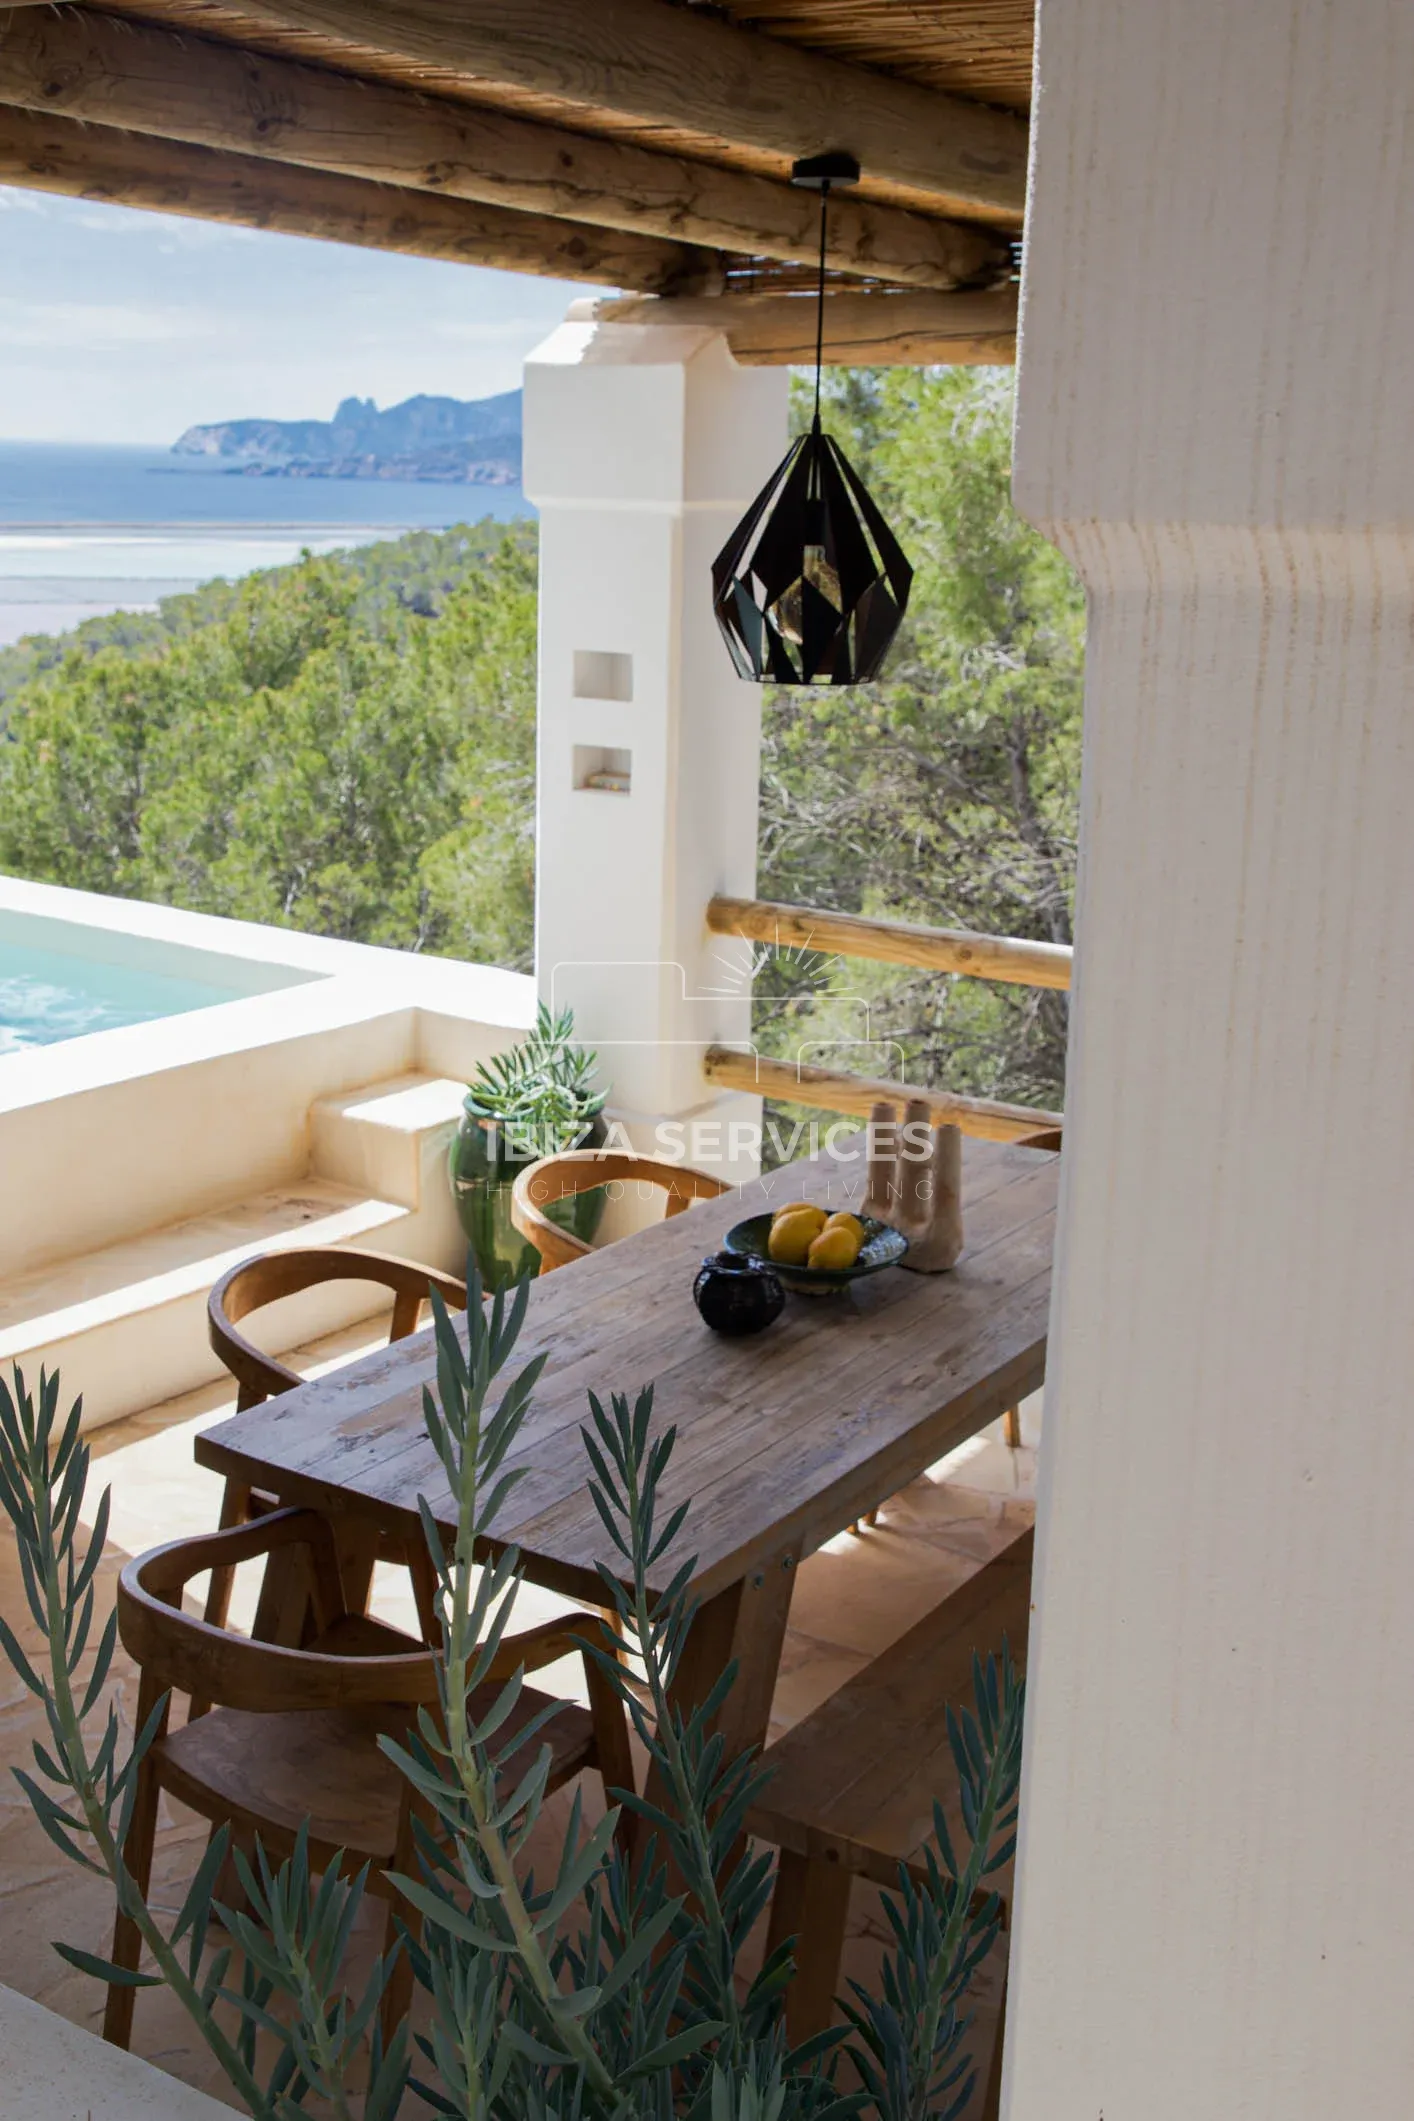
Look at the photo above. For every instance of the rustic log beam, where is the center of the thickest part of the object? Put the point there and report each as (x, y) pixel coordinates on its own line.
(794, 1083)
(149, 80)
(998, 957)
(861, 330)
(131, 169)
(671, 66)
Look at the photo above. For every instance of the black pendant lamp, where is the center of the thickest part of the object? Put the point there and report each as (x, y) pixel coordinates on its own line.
(810, 587)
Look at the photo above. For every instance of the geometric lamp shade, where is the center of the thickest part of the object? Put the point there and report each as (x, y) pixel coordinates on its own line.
(810, 587)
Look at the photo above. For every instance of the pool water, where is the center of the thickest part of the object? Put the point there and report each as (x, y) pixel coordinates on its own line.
(48, 995)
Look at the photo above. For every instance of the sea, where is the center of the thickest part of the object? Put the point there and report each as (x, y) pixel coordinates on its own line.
(87, 529)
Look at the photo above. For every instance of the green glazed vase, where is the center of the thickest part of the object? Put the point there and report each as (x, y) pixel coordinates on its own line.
(483, 1168)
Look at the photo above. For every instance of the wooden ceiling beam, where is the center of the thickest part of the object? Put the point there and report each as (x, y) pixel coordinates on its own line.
(655, 64)
(45, 153)
(861, 331)
(108, 71)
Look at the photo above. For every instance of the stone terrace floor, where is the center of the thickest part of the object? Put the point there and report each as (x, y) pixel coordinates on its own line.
(852, 1599)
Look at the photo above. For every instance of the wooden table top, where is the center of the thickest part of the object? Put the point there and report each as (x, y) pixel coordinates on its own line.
(783, 1438)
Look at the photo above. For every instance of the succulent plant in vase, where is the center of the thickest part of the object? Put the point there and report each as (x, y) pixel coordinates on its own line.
(536, 1099)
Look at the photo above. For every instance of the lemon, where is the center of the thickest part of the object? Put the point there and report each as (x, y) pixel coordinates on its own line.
(792, 1236)
(800, 1207)
(843, 1220)
(834, 1249)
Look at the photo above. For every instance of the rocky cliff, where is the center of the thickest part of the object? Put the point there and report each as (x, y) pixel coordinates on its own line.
(475, 442)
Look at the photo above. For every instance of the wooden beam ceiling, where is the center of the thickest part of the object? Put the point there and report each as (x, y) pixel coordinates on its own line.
(861, 330)
(146, 80)
(48, 153)
(452, 129)
(672, 66)
(984, 49)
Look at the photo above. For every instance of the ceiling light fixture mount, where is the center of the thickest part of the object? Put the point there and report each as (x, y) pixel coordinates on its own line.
(811, 586)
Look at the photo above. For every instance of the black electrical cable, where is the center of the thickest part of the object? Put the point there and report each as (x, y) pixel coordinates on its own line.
(820, 300)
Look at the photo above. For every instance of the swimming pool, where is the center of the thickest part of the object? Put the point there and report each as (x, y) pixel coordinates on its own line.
(47, 995)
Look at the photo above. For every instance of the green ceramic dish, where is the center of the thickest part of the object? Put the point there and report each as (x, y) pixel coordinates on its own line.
(882, 1247)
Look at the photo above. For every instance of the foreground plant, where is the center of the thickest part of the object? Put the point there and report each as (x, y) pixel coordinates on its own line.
(292, 1978)
(608, 1991)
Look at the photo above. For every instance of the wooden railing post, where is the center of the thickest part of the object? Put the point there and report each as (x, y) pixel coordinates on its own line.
(833, 1090)
(950, 950)
(998, 957)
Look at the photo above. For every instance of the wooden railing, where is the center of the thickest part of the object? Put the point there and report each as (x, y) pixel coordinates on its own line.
(995, 957)
(999, 957)
(797, 1083)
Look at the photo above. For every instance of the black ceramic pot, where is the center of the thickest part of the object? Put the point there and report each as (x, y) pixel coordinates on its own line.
(737, 1296)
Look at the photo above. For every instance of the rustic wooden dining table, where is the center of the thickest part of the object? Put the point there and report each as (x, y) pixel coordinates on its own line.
(783, 1439)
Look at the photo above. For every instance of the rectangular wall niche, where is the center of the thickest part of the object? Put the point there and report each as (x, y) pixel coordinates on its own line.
(603, 768)
(600, 674)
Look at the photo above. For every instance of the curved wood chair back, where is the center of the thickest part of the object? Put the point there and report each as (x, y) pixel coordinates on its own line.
(220, 1669)
(264, 1279)
(260, 1782)
(580, 1171)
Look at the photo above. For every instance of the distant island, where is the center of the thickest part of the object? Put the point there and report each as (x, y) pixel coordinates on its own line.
(446, 440)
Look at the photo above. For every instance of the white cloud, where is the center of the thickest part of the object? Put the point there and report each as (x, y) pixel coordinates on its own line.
(184, 321)
(175, 232)
(100, 327)
(496, 331)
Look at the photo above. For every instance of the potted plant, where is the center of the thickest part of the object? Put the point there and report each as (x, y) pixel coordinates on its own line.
(537, 1099)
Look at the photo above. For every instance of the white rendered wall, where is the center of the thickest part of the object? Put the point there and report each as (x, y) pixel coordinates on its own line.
(642, 448)
(1216, 398)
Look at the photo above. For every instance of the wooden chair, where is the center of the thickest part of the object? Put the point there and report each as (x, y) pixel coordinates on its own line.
(854, 1782)
(293, 1734)
(268, 1276)
(264, 1279)
(580, 1171)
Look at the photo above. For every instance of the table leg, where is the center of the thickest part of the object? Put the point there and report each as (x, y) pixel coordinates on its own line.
(284, 1613)
(283, 1607)
(744, 1624)
(356, 1541)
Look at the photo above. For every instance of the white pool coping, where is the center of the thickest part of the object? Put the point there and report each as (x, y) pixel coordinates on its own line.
(318, 984)
(116, 1132)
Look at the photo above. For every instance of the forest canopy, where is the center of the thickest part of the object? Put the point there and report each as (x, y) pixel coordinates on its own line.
(947, 792)
(347, 746)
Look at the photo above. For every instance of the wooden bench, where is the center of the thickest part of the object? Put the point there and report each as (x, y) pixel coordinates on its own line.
(854, 1783)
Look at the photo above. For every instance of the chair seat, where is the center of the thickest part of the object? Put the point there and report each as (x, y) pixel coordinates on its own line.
(270, 1772)
(853, 1783)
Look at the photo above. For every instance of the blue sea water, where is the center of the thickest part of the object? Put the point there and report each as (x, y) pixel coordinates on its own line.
(88, 528)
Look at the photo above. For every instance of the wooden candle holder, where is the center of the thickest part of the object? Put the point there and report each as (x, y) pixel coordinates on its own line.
(921, 1195)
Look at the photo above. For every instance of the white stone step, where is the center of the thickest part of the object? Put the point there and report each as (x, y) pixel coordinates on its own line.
(389, 1138)
(55, 2071)
(127, 1325)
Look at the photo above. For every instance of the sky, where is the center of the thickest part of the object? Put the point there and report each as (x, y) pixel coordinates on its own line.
(120, 326)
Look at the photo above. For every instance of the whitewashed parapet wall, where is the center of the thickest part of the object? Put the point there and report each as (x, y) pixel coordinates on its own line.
(1216, 402)
(642, 447)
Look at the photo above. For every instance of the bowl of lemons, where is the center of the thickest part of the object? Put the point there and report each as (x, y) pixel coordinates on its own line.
(815, 1252)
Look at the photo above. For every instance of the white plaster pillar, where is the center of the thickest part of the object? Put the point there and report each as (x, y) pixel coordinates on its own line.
(1216, 1908)
(642, 447)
